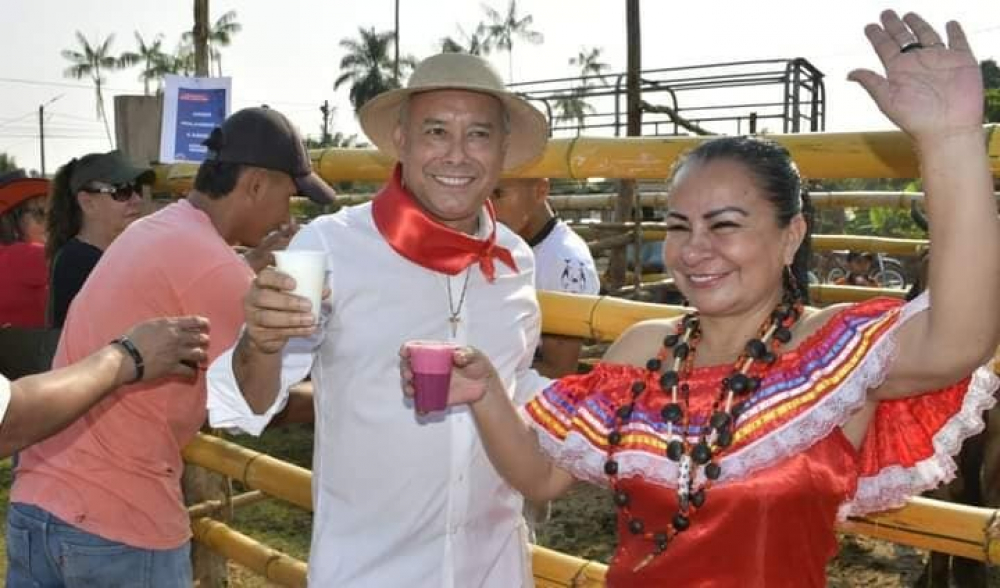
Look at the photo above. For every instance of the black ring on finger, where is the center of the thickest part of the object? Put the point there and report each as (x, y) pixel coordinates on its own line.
(911, 46)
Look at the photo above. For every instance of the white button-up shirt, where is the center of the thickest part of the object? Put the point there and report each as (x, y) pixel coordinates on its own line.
(401, 500)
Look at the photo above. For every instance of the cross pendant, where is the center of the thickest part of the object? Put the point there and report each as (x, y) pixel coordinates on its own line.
(454, 320)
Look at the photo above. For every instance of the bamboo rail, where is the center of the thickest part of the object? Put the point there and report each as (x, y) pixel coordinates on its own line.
(210, 508)
(872, 154)
(654, 231)
(264, 561)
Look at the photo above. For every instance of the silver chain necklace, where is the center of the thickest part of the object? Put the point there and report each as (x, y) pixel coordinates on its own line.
(454, 312)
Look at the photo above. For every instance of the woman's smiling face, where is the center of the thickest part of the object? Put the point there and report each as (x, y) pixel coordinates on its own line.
(724, 245)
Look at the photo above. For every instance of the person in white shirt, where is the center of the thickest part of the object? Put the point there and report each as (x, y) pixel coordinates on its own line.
(34, 407)
(563, 262)
(400, 498)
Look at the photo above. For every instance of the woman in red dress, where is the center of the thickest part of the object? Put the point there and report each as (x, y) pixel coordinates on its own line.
(733, 438)
(23, 271)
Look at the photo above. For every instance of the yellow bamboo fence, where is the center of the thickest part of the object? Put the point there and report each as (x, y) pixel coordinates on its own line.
(874, 154)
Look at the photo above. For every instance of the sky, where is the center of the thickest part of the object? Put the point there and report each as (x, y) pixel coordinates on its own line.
(288, 52)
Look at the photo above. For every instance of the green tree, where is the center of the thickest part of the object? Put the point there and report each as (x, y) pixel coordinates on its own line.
(93, 61)
(991, 81)
(465, 43)
(150, 55)
(572, 106)
(220, 35)
(7, 163)
(590, 64)
(368, 67)
(500, 30)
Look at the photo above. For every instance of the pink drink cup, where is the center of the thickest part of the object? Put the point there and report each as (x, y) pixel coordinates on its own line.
(431, 363)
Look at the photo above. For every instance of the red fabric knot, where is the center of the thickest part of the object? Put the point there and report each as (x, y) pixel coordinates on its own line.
(412, 233)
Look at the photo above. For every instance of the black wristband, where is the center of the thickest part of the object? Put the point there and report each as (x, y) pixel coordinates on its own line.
(133, 351)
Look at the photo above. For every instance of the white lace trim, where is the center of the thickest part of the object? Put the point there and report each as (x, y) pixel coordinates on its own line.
(888, 488)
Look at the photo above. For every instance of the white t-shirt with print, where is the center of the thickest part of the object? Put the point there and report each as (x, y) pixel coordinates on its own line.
(563, 263)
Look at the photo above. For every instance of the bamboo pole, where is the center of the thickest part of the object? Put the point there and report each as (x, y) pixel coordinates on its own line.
(258, 558)
(254, 470)
(870, 154)
(935, 525)
(554, 569)
(209, 508)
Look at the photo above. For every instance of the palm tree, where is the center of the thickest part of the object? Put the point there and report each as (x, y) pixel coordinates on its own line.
(150, 55)
(590, 64)
(572, 106)
(368, 66)
(465, 43)
(93, 61)
(501, 30)
(219, 35)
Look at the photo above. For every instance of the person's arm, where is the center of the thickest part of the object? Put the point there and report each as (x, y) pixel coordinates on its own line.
(935, 95)
(509, 442)
(560, 356)
(43, 404)
(299, 409)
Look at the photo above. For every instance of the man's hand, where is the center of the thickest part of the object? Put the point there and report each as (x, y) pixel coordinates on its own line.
(273, 314)
(261, 256)
(170, 346)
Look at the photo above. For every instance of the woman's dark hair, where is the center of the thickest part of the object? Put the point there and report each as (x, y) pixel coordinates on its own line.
(779, 180)
(215, 178)
(10, 223)
(65, 217)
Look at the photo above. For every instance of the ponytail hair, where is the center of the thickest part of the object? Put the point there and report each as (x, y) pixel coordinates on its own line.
(65, 217)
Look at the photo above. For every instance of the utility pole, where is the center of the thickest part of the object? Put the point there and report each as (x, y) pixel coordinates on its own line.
(200, 37)
(41, 128)
(395, 43)
(325, 109)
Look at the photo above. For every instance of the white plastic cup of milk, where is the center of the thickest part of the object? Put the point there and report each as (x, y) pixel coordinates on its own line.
(308, 269)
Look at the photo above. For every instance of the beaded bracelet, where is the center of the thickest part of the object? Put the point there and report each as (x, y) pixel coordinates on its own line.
(133, 351)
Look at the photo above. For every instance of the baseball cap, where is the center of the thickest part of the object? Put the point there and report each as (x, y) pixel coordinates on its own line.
(263, 137)
(111, 167)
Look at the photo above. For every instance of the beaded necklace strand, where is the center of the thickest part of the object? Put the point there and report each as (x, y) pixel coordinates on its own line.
(758, 354)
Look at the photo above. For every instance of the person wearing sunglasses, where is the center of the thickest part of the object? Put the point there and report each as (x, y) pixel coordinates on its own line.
(22, 254)
(93, 199)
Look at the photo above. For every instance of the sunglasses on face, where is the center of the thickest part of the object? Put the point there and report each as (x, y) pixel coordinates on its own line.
(121, 193)
(38, 213)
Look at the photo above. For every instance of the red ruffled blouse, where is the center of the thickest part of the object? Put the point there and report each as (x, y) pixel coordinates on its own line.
(790, 473)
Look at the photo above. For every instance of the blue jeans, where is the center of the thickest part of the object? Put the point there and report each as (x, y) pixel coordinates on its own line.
(45, 552)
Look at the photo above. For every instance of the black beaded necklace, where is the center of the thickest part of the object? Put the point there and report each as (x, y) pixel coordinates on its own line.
(758, 354)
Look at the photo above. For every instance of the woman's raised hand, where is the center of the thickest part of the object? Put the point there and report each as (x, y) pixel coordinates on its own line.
(931, 89)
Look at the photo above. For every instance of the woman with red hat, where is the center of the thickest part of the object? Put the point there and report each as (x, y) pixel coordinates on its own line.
(22, 250)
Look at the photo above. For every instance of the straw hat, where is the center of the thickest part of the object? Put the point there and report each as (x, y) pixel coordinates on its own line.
(529, 130)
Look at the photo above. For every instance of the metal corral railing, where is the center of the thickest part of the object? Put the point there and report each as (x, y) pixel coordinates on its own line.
(927, 524)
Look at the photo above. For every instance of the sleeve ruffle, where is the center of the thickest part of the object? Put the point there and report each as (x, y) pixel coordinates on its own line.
(911, 442)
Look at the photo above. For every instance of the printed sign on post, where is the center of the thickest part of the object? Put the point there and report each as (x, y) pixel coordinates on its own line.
(192, 107)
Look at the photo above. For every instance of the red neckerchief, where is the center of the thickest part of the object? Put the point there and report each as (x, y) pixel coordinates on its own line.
(428, 243)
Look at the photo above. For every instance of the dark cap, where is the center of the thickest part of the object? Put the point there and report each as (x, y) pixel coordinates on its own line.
(111, 167)
(16, 187)
(262, 137)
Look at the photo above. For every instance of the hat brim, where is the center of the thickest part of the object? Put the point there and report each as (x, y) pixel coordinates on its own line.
(19, 190)
(315, 188)
(529, 130)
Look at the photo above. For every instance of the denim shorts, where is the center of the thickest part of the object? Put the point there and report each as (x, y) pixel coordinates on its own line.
(45, 552)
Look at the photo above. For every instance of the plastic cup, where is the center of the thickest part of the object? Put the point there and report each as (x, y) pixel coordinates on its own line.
(308, 268)
(431, 363)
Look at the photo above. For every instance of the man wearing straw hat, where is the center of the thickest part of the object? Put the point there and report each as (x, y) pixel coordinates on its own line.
(403, 499)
